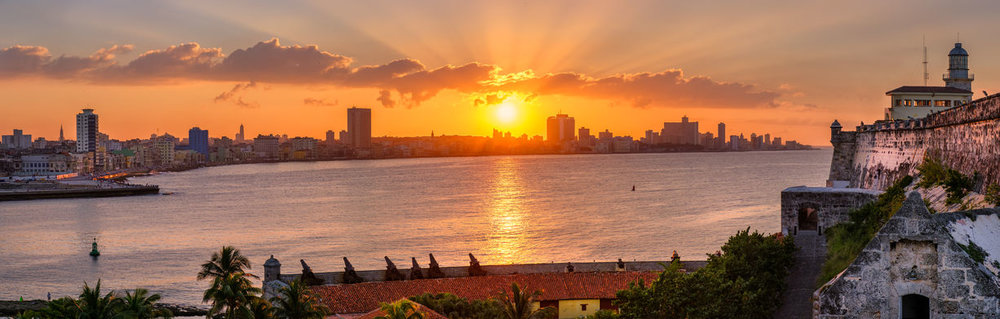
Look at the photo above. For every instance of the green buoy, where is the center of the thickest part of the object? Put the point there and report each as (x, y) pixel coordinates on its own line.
(93, 251)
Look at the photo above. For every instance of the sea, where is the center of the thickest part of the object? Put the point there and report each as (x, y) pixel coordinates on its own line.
(502, 209)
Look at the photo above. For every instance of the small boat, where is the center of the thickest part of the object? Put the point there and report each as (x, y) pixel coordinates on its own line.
(167, 193)
(93, 250)
(633, 188)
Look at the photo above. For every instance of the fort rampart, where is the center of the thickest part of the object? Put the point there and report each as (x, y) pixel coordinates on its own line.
(966, 138)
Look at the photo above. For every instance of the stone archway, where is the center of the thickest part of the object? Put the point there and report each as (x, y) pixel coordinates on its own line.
(914, 306)
(808, 217)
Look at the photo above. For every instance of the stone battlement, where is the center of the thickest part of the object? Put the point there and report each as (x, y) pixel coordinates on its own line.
(875, 155)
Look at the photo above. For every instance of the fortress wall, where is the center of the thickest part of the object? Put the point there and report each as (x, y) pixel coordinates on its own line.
(463, 271)
(967, 138)
(831, 205)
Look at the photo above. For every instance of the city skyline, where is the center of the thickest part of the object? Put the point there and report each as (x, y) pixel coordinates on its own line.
(499, 71)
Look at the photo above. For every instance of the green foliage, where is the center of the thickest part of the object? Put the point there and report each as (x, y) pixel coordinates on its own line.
(975, 252)
(139, 304)
(846, 240)
(231, 292)
(603, 314)
(745, 281)
(518, 303)
(455, 307)
(927, 203)
(403, 309)
(992, 194)
(92, 304)
(934, 173)
(297, 302)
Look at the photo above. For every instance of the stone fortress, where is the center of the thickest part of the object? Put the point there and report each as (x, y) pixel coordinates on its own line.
(917, 266)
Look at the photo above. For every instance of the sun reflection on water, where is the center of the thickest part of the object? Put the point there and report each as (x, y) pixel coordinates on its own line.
(507, 239)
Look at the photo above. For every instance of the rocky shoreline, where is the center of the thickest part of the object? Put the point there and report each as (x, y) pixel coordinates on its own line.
(12, 308)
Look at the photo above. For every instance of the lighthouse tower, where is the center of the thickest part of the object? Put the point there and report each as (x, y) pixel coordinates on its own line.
(958, 75)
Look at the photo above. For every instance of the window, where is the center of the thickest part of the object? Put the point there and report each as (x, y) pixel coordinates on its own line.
(923, 102)
(907, 102)
(583, 307)
(897, 102)
(942, 103)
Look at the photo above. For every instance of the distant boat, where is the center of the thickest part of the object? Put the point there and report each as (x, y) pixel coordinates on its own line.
(633, 188)
(167, 193)
(93, 250)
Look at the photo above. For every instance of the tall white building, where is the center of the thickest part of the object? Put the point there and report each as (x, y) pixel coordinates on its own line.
(86, 131)
(916, 102)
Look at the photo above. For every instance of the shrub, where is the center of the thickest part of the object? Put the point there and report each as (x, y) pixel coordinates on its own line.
(934, 173)
(745, 281)
(992, 194)
(845, 240)
(975, 252)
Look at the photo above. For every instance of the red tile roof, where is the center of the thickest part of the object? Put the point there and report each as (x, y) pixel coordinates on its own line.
(363, 297)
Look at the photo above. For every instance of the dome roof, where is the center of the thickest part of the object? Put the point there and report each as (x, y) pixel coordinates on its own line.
(958, 50)
(271, 262)
(835, 124)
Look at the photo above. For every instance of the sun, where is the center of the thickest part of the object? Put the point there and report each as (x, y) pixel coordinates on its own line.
(506, 112)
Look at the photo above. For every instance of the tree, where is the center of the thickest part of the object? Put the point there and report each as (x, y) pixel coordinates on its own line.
(455, 307)
(403, 309)
(65, 307)
(140, 305)
(224, 263)
(231, 296)
(519, 303)
(231, 291)
(296, 301)
(261, 309)
(92, 305)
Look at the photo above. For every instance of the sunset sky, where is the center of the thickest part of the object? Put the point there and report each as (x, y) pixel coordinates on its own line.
(465, 67)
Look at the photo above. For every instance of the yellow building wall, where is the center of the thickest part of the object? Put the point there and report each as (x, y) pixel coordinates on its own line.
(574, 309)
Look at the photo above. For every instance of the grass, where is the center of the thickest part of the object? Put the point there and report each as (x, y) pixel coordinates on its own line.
(846, 240)
(934, 173)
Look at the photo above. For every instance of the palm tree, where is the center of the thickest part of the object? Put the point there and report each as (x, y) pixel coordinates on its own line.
(403, 309)
(223, 263)
(231, 292)
(92, 305)
(519, 303)
(297, 302)
(64, 307)
(261, 309)
(140, 305)
(231, 296)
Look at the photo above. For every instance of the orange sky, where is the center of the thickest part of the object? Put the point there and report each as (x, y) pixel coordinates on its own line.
(784, 68)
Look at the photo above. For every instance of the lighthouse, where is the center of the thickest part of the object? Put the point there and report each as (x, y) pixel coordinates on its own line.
(958, 75)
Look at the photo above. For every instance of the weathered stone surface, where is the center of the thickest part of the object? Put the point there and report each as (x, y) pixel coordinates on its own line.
(913, 254)
(830, 205)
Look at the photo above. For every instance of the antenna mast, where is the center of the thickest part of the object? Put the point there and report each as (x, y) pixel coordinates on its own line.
(926, 76)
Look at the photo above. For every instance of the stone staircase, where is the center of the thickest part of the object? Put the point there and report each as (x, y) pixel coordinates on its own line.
(801, 281)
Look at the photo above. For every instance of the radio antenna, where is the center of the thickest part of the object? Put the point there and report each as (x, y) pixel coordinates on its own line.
(926, 76)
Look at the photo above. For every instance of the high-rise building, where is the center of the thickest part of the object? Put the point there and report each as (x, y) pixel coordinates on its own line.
(198, 140)
(240, 138)
(722, 134)
(344, 138)
(331, 137)
(267, 147)
(561, 128)
(86, 131)
(17, 141)
(61, 138)
(359, 127)
(683, 132)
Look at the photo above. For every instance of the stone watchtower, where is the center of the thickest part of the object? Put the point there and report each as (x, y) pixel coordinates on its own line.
(272, 269)
(843, 156)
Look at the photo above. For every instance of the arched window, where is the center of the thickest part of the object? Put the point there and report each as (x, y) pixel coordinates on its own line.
(914, 306)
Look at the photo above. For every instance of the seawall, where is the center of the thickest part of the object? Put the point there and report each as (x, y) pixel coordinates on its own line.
(966, 138)
(74, 193)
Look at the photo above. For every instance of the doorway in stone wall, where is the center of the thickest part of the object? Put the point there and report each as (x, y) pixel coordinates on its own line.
(808, 217)
(915, 306)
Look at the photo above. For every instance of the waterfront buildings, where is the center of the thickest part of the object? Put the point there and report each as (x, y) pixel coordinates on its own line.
(683, 132)
(240, 137)
(266, 146)
(86, 131)
(722, 135)
(913, 102)
(359, 127)
(560, 128)
(198, 140)
(18, 140)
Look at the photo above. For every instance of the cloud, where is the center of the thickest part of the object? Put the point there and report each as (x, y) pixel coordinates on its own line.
(239, 87)
(403, 81)
(319, 102)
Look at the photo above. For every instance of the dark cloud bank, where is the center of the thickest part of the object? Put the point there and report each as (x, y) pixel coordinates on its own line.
(400, 82)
